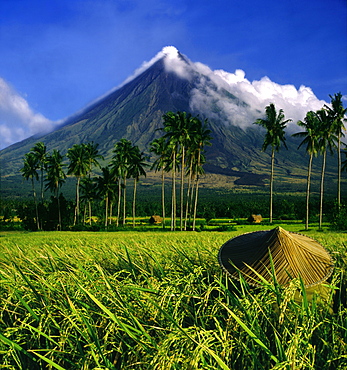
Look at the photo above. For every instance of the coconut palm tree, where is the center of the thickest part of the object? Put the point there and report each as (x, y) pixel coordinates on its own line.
(93, 155)
(311, 136)
(29, 171)
(160, 148)
(326, 141)
(116, 170)
(179, 129)
(275, 125)
(124, 153)
(137, 169)
(55, 177)
(201, 139)
(79, 166)
(88, 194)
(337, 115)
(106, 186)
(40, 151)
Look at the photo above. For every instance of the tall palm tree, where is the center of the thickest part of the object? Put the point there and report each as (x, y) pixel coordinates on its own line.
(275, 125)
(79, 166)
(93, 155)
(124, 153)
(327, 139)
(88, 194)
(337, 115)
(55, 177)
(160, 148)
(29, 171)
(311, 136)
(106, 188)
(40, 151)
(137, 169)
(201, 139)
(179, 131)
(116, 170)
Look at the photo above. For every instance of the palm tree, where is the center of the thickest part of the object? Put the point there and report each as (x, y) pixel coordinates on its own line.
(160, 148)
(106, 188)
(124, 153)
(29, 171)
(337, 116)
(116, 170)
(55, 177)
(137, 169)
(40, 152)
(88, 194)
(179, 130)
(327, 139)
(275, 125)
(311, 135)
(79, 166)
(201, 139)
(92, 155)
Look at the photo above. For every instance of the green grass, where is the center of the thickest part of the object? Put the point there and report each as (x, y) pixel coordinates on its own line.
(135, 300)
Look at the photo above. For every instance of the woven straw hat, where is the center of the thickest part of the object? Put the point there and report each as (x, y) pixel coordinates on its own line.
(293, 256)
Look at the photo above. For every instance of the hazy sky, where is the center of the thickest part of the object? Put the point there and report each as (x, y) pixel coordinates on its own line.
(57, 56)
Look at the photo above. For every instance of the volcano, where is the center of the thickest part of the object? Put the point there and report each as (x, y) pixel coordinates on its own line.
(171, 82)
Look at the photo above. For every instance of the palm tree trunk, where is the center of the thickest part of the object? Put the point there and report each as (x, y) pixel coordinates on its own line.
(59, 212)
(308, 190)
(196, 190)
(196, 201)
(35, 201)
(124, 198)
(191, 200)
(163, 195)
(339, 171)
(84, 213)
(134, 201)
(182, 189)
(110, 213)
(119, 200)
(77, 208)
(42, 185)
(322, 191)
(90, 212)
(106, 211)
(173, 206)
(271, 181)
(189, 196)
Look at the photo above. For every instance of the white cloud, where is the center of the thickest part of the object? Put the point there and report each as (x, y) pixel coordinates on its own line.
(17, 120)
(256, 94)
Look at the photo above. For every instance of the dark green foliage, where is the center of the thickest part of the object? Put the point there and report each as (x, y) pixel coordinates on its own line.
(338, 217)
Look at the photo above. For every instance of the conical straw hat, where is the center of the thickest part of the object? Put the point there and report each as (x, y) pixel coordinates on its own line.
(293, 256)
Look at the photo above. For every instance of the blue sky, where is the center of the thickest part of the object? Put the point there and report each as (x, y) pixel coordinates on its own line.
(57, 56)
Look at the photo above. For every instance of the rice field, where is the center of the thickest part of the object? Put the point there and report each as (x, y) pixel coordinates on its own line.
(159, 300)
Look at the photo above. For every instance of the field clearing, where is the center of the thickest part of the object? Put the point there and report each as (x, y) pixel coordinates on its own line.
(159, 300)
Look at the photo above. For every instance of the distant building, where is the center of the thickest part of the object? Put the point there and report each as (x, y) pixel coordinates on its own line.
(256, 219)
(154, 220)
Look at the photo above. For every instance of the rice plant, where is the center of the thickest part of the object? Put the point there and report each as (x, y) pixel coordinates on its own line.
(132, 300)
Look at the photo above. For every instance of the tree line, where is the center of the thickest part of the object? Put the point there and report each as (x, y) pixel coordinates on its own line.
(322, 132)
(180, 150)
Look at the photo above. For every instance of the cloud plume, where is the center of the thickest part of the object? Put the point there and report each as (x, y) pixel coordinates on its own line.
(236, 99)
(17, 120)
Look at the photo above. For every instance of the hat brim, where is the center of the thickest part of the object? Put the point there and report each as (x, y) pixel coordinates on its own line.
(278, 252)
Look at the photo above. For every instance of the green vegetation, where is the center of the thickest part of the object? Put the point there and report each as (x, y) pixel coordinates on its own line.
(141, 300)
(275, 125)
